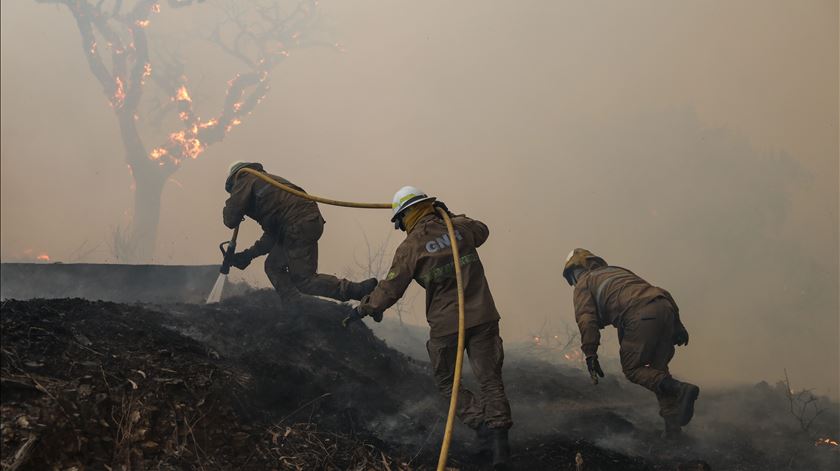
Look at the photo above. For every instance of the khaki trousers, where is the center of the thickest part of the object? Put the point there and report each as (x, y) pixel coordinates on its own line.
(646, 348)
(486, 355)
(292, 264)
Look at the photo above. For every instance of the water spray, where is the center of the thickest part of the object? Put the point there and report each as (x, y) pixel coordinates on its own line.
(228, 248)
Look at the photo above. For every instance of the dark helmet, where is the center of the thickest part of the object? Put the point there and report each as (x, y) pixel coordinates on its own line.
(235, 167)
(581, 259)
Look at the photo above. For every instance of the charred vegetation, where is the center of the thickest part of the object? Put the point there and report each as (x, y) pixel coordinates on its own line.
(254, 384)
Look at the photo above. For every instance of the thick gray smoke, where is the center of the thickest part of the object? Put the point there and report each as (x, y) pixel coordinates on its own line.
(703, 158)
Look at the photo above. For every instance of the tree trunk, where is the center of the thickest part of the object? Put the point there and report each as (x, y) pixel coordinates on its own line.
(138, 244)
(146, 218)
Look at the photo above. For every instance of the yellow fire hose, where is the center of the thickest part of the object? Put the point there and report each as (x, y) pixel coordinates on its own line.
(459, 358)
(317, 199)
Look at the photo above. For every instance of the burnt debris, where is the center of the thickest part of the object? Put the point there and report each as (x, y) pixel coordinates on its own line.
(253, 384)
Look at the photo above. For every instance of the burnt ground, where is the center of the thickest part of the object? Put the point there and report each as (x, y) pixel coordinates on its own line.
(251, 384)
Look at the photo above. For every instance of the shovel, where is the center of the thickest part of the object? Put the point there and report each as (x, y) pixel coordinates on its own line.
(228, 248)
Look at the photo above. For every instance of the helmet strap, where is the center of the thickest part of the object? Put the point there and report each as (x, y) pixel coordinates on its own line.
(398, 222)
(576, 275)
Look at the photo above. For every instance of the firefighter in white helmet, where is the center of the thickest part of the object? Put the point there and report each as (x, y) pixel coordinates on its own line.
(425, 256)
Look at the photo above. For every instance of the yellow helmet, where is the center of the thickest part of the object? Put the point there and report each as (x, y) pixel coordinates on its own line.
(580, 258)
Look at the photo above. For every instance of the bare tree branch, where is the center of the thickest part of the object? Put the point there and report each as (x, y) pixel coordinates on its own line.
(804, 406)
(257, 33)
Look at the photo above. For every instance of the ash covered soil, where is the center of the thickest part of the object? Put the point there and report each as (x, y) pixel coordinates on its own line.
(252, 384)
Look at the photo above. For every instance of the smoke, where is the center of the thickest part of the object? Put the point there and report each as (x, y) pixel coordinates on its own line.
(695, 144)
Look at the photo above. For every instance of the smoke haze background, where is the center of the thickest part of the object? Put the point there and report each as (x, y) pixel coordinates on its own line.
(694, 143)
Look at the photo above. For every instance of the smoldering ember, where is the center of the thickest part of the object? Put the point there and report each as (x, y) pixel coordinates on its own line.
(419, 235)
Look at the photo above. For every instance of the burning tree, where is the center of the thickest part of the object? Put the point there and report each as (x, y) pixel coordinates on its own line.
(115, 42)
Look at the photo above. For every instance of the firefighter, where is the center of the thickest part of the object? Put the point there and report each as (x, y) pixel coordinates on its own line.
(291, 228)
(426, 257)
(649, 326)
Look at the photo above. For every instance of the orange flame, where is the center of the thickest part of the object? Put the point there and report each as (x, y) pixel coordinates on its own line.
(142, 23)
(183, 95)
(190, 145)
(209, 124)
(93, 47)
(147, 71)
(119, 94)
(574, 355)
(829, 442)
(43, 257)
(233, 122)
(183, 116)
(157, 153)
(156, 8)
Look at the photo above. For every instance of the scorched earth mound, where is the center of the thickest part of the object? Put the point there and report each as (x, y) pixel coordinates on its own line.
(252, 384)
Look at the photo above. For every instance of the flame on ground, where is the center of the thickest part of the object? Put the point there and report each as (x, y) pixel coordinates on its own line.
(30, 255)
(827, 442)
(574, 355)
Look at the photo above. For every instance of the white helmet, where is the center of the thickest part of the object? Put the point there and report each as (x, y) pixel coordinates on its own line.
(236, 166)
(406, 197)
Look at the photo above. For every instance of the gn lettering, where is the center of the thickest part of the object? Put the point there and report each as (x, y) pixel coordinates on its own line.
(439, 243)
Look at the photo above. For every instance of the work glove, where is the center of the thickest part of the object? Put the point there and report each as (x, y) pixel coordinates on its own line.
(358, 315)
(594, 368)
(376, 316)
(680, 336)
(241, 260)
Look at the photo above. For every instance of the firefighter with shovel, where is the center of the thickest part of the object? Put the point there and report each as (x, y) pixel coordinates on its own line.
(291, 227)
(649, 327)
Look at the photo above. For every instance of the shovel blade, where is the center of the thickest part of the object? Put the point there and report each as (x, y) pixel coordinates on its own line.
(216, 293)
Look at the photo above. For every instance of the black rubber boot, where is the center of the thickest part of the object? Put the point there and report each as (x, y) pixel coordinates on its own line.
(686, 394)
(673, 431)
(483, 439)
(501, 448)
(361, 289)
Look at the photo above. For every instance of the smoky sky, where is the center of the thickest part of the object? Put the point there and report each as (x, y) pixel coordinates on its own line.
(693, 143)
